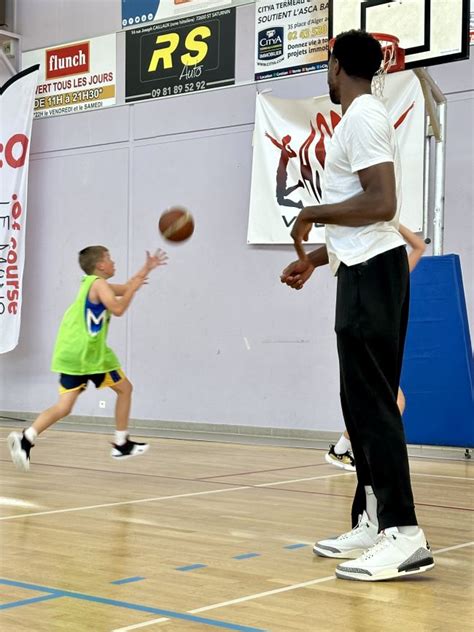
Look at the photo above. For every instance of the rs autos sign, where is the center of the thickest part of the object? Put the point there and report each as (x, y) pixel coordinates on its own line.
(74, 77)
(180, 57)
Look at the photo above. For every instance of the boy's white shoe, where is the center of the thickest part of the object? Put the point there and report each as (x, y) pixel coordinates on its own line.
(19, 447)
(394, 555)
(351, 544)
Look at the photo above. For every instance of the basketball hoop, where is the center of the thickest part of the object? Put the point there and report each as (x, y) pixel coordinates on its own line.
(393, 59)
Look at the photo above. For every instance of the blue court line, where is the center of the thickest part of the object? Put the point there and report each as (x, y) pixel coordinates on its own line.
(128, 580)
(171, 614)
(25, 602)
(295, 546)
(191, 567)
(245, 556)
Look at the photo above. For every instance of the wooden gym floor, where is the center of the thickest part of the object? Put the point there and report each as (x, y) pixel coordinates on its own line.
(207, 536)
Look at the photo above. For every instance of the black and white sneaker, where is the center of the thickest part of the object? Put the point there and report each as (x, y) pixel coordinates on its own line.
(19, 447)
(393, 555)
(128, 449)
(345, 461)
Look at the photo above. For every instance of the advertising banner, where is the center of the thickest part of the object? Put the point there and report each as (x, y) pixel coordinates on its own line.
(180, 57)
(291, 37)
(16, 116)
(74, 77)
(139, 12)
(289, 152)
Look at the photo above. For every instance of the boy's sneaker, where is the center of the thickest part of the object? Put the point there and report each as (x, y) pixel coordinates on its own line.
(351, 544)
(128, 449)
(346, 460)
(394, 555)
(19, 447)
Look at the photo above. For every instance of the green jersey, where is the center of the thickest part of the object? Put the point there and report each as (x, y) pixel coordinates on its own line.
(81, 347)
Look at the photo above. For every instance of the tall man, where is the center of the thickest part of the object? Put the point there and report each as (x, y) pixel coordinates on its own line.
(361, 206)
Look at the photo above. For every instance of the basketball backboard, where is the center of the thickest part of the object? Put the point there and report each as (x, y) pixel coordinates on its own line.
(430, 31)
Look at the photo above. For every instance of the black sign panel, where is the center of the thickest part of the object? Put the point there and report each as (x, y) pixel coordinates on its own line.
(180, 57)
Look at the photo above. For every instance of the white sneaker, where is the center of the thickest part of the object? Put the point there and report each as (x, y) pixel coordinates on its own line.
(394, 555)
(351, 544)
(19, 447)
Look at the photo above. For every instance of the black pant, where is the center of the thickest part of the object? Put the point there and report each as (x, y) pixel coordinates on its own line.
(371, 322)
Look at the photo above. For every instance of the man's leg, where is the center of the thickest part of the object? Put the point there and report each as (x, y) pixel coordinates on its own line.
(370, 326)
(370, 347)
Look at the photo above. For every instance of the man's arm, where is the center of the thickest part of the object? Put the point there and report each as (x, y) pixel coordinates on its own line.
(376, 203)
(318, 257)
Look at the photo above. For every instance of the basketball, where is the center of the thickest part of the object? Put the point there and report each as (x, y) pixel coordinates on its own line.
(176, 224)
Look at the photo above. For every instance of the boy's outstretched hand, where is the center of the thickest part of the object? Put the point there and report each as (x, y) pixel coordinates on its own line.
(158, 258)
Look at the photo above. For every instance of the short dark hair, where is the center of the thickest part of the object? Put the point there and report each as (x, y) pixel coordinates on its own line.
(89, 257)
(359, 54)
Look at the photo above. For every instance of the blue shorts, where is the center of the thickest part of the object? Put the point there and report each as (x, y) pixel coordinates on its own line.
(69, 383)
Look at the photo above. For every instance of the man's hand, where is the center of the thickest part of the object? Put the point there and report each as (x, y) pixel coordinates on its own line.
(300, 231)
(297, 273)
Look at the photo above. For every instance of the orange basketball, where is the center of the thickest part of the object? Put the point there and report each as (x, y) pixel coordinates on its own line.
(176, 224)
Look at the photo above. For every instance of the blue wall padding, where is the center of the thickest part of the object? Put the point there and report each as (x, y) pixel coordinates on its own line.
(437, 376)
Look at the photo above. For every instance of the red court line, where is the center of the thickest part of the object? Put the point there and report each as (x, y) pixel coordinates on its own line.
(215, 482)
(276, 469)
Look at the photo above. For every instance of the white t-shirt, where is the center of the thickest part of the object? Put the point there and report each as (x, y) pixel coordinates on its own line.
(363, 138)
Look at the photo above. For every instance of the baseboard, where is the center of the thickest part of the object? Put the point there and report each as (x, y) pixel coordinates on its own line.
(224, 433)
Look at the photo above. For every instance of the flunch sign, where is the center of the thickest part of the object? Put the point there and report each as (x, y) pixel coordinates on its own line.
(67, 60)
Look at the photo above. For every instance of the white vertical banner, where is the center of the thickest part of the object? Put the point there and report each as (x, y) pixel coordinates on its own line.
(16, 116)
(289, 150)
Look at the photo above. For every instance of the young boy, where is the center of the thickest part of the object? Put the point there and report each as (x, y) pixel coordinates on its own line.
(81, 352)
(340, 454)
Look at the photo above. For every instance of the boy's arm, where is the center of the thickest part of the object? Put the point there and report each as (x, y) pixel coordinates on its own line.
(417, 245)
(118, 288)
(108, 298)
(159, 258)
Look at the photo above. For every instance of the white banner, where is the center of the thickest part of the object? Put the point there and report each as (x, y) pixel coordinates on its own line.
(289, 153)
(291, 37)
(74, 77)
(16, 115)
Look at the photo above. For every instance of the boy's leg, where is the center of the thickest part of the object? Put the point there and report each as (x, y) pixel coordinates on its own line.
(123, 447)
(401, 402)
(62, 408)
(20, 444)
(124, 390)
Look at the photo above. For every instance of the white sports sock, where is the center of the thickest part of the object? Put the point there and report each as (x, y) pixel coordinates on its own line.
(121, 437)
(342, 446)
(31, 434)
(371, 505)
(409, 530)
